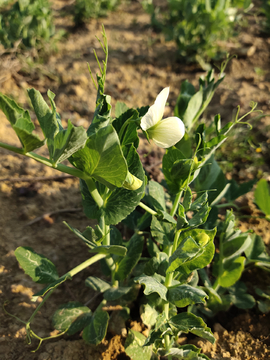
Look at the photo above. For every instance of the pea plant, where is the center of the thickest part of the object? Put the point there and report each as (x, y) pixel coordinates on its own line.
(173, 239)
(197, 26)
(27, 23)
(86, 9)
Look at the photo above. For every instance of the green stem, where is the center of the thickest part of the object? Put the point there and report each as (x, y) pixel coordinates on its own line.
(168, 281)
(85, 264)
(46, 297)
(71, 273)
(176, 202)
(228, 205)
(148, 209)
(94, 192)
(220, 260)
(60, 167)
(106, 242)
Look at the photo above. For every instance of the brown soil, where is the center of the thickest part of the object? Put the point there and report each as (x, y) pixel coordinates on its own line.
(140, 65)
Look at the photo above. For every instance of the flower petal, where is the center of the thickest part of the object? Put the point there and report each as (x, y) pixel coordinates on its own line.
(156, 111)
(168, 132)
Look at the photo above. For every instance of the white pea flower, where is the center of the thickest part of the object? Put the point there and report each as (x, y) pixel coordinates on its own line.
(167, 132)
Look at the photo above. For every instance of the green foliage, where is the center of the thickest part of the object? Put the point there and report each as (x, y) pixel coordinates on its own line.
(96, 330)
(197, 26)
(173, 242)
(86, 9)
(262, 197)
(27, 21)
(71, 317)
(133, 346)
(266, 11)
(38, 267)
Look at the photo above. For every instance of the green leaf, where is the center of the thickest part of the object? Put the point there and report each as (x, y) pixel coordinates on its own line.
(185, 295)
(48, 119)
(231, 272)
(199, 202)
(187, 199)
(187, 91)
(102, 158)
(51, 286)
(176, 169)
(196, 250)
(96, 331)
(90, 234)
(121, 202)
(181, 218)
(235, 246)
(187, 322)
(14, 112)
(66, 143)
(102, 115)
(211, 178)
(116, 293)
(38, 267)
(134, 346)
(148, 315)
(110, 249)
(80, 235)
(72, 316)
(21, 123)
(120, 108)
(126, 127)
(262, 196)
(92, 238)
(200, 217)
(239, 296)
(192, 109)
(155, 195)
(256, 248)
(164, 216)
(29, 141)
(162, 231)
(187, 250)
(152, 247)
(126, 265)
(185, 145)
(187, 352)
(152, 285)
(236, 190)
(97, 284)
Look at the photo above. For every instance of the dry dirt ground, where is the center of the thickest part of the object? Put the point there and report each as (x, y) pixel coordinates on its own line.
(141, 63)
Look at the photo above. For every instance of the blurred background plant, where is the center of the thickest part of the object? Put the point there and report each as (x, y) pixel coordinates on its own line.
(266, 11)
(197, 26)
(26, 24)
(85, 9)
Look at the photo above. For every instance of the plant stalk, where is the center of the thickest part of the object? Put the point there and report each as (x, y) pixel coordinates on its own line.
(168, 281)
(148, 209)
(176, 202)
(60, 167)
(71, 273)
(94, 192)
(106, 242)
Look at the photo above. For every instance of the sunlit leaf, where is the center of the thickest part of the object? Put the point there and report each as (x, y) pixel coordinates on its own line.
(185, 295)
(134, 346)
(262, 196)
(152, 285)
(72, 316)
(97, 284)
(37, 266)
